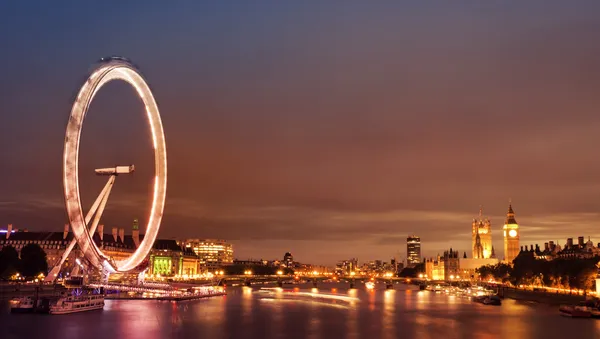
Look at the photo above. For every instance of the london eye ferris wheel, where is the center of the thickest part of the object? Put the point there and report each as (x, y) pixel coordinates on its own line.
(113, 68)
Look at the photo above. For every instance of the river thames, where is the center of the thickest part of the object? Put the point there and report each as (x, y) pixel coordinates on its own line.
(403, 312)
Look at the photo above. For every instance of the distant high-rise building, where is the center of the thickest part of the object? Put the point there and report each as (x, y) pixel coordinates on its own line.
(413, 250)
(288, 260)
(511, 236)
(213, 253)
(346, 267)
(481, 231)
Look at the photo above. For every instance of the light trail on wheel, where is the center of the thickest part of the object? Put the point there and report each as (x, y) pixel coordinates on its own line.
(109, 69)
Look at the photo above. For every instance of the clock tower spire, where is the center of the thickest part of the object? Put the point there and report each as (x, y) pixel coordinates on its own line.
(511, 235)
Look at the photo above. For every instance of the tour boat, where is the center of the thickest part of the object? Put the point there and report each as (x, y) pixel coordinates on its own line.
(78, 303)
(370, 285)
(22, 305)
(575, 311)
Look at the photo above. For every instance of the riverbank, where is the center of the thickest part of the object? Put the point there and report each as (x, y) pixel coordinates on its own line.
(12, 290)
(540, 296)
(125, 296)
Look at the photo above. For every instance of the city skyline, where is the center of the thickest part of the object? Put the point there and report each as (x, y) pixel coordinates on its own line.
(331, 133)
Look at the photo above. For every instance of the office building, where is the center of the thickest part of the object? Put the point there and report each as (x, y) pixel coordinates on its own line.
(213, 253)
(413, 250)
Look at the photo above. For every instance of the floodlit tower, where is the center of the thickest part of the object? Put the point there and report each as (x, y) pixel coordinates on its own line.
(481, 228)
(511, 236)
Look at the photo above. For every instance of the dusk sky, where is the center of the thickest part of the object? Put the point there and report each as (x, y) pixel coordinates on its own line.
(326, 129)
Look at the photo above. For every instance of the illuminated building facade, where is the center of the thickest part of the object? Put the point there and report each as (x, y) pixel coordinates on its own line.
(213, 253)
(53, 243)
(413, 250)
(435, 268)
(468, 267)
(511, 236)
(167, 259)
(581, 250)
(347, 267)
(481, 231)
(115, 245)
(451, 265)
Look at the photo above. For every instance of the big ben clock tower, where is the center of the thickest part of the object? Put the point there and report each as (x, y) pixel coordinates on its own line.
(511, 236)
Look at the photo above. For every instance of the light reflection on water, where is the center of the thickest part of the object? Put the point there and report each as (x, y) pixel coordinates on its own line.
(401, 313)
(388, 323)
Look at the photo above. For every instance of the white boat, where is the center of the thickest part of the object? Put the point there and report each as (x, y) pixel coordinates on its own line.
(77, 303)
(22, 305)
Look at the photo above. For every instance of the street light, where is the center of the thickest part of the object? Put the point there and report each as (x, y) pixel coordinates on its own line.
(280, 272)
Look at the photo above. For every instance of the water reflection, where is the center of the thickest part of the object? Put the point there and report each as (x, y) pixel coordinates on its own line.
(371, 294)
(314, 322)
(134, 324)
(388, 323)
(352, 318)
(244, 313)
(247, 299)
(210, 314)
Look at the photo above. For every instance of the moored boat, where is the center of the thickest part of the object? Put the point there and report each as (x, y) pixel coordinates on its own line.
(77, 303)
(575, 311)
(22, 305)
(488, 300)
(492, 300)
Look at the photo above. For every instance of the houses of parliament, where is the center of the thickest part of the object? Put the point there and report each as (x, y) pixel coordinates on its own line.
(481, 231)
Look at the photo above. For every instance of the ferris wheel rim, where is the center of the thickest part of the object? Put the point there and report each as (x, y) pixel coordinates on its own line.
(109, 70)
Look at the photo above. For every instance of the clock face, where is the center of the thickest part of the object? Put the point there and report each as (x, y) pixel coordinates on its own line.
(512, 233)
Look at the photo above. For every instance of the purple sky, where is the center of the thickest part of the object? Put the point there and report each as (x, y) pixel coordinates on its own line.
(328, 131)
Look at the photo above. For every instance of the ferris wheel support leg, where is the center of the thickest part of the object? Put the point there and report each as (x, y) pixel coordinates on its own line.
(105, 275)
(102, 197)
(141, 277)
(103, 201)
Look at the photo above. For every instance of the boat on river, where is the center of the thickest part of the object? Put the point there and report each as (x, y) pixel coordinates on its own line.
(30, 304)
(77, 301)
(22, 305)
(586, 309)
(488, 300)
(575, 311)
